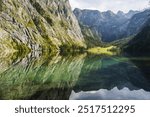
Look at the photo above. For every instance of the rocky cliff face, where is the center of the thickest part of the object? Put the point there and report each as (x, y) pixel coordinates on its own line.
(91, 36)
(38, 25)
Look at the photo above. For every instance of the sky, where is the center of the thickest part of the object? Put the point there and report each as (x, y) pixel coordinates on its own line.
(113, 5)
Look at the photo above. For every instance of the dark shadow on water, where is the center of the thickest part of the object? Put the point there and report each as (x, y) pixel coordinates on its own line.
(144, 65)
(110, 72)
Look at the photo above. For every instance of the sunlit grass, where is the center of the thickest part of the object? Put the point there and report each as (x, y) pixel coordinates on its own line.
(103, 50)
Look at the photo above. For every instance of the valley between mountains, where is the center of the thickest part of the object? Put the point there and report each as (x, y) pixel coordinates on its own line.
(52, 26)
(50, 51)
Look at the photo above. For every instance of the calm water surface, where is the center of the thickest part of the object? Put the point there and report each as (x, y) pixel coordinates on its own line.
(80, 76)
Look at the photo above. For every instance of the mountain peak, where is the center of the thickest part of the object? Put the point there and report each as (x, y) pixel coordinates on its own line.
(120, 13)
(131, 13)
(77, 9)
(108, 13)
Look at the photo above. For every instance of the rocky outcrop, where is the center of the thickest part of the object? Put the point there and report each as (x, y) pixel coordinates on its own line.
(38, 25)
(91, 36)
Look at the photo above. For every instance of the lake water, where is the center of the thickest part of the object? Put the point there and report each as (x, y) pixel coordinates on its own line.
(80, 76)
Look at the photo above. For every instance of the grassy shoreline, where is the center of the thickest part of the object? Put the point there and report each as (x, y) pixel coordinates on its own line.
(110, 50)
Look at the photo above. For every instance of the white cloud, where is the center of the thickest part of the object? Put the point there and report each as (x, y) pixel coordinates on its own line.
(113, 5)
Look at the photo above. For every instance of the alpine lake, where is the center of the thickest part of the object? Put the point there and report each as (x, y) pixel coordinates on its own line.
(84, 76)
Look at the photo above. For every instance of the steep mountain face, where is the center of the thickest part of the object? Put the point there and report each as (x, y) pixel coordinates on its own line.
(38, 25)
(91, 36)
(137, 22)
(131, 13)
(140, 44)
(109, 25)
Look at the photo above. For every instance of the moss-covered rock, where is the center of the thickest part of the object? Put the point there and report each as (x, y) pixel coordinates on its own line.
(38, 25)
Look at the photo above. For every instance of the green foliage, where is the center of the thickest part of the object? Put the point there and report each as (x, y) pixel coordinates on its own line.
(30, 24)
(38, 7)
(36, 26)
(67, 49)
(42, 12)
(91, 38)
(64, 24)
(0, 5)
(49, 20)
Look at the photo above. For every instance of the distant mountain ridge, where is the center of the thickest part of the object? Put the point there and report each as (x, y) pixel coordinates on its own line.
(137, 22)
(111, 26)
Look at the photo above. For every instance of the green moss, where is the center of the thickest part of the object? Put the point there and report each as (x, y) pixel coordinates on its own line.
(42, 12)
(38, 7)
(91, 38)
(12, 45)
(0, 5)
(68, 49)
(64, 24)
(49, 20)
(43, 29)
(30, 24)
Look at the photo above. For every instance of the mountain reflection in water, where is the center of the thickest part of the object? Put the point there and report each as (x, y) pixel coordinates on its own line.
(41, 76)
(115, 93)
